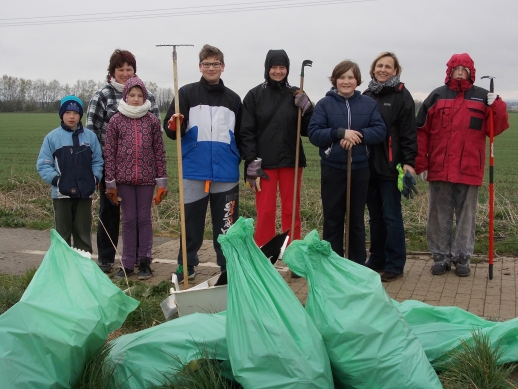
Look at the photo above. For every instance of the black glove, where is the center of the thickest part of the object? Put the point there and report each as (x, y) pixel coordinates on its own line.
(409, 184)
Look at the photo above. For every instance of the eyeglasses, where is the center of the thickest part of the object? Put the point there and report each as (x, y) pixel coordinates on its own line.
(207, 65)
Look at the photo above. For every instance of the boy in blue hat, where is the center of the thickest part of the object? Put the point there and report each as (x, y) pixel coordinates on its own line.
(71, 161)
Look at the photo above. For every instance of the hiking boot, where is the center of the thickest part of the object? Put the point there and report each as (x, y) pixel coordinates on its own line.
(144, 269)
(440, 264)
(462, 269)
(190, 273)
(388, 276)
(120, 273)
(105, 266)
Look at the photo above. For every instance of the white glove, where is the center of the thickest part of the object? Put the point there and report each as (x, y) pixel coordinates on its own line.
(424, 175)
(491, 97)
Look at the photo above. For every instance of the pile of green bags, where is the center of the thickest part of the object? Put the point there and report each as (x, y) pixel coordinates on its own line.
(145, 358)
(441, 329)
(368, 341)
(272, 341)
(64, 317)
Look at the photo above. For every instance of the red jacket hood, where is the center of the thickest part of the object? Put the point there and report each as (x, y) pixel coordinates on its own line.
(460, 60)
(134, 81)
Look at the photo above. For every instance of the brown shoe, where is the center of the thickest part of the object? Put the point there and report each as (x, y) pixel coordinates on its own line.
(389, 276)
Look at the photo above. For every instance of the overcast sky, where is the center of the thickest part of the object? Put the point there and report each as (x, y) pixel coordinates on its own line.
(423, 34)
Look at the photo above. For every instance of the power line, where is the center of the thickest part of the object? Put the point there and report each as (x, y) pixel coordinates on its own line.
(184, 11)
(152, 10)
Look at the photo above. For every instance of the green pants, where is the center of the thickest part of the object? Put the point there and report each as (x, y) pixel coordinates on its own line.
(73, 218)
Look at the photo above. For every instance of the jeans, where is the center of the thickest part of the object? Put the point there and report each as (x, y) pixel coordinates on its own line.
(387, 233)
(107, 228)
(333, 187)
(444, 200)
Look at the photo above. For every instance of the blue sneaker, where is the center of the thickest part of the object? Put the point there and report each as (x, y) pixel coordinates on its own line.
(190, 273)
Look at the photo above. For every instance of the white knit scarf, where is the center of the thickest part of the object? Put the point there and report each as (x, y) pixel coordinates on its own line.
(132, 111)
(118, 87)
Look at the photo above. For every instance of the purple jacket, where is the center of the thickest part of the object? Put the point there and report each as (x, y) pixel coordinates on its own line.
(134, 153)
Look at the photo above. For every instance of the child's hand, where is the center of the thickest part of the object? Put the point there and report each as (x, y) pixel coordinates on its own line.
(160, 194)
(113, 196)
(172, 122)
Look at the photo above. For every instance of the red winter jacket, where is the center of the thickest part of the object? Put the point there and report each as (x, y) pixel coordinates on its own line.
(134, 153)
(452, 125)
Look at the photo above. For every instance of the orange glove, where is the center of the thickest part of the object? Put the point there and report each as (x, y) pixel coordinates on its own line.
(113, 195)
(172, 121)
(160, 194)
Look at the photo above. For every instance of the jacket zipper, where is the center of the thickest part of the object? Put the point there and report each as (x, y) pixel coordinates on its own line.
(390, 148)
(136, 150)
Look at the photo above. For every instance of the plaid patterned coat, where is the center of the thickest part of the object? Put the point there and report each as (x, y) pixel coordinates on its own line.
(103, 105)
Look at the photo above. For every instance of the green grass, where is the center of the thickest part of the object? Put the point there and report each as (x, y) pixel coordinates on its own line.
(25, 199)
(474, 365)
(148, 313)
(204, 372)
(12, 288)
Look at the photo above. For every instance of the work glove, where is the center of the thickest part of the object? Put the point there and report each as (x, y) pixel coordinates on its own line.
(160, 194)
(172, 121)
(302, 100)
(409, 184)
(113, 195)
(400, 175)
(424, 176)
(254, 173)
(491, 97)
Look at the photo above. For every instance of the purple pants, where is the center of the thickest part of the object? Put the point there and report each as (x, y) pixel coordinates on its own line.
(136, 210)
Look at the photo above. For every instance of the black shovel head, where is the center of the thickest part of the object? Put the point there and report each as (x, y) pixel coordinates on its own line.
(271, 249)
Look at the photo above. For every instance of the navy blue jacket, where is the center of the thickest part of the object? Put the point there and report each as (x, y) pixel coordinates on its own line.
(71, 161)
(335, 111)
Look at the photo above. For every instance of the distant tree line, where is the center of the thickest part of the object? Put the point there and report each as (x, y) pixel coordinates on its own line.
(23, 95)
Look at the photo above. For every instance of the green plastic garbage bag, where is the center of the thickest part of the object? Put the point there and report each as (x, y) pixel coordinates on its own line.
(441, 329)
(272, 341)
(369, 343)
(64, 316)
(142, 359)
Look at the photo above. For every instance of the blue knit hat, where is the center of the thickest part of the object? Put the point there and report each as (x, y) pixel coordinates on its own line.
(71, 103)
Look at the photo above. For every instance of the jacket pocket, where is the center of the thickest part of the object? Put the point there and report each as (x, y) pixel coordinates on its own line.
(437, 156)
(473, 159)
(444, 114)
(68, 186)
(476, 116)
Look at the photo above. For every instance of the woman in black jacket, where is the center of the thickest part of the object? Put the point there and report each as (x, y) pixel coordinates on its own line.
(268, 144)
(387, 233)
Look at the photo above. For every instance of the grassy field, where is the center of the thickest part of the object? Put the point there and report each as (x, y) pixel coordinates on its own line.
(25, 199)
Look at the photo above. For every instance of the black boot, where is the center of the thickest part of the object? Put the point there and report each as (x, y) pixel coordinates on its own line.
(462, 268)
(440, 265)
(144, 270)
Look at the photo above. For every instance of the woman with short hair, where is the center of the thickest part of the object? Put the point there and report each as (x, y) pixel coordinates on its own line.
(387, 233)
(103, 105)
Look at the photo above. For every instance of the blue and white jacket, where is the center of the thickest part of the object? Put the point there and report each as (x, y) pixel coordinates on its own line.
(210, 131)
(71, 161)
(359, 113)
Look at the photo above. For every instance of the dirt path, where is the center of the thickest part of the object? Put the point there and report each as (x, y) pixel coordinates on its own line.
(22, 249)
